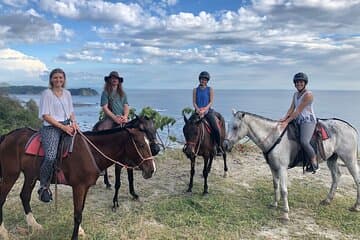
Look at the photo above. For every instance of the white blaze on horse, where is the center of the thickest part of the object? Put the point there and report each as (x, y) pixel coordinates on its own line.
(280, 149)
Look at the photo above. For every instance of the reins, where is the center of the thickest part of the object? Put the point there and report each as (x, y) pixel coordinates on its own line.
(277, 141)
(114, 161)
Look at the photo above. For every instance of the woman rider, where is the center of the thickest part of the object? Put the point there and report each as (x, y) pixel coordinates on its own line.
(203, 99)
(301, 110)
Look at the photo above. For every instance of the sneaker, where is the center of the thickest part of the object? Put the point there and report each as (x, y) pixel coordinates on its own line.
(45, 195)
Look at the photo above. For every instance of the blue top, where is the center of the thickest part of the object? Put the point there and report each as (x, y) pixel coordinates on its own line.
(202, 96)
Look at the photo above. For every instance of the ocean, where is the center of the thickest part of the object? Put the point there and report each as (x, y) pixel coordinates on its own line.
(268, 103)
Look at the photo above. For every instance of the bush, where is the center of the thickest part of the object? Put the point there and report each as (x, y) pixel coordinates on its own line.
(14, 115)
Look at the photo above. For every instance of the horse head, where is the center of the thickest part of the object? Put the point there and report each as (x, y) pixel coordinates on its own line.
(140, 151)
(146, 125)
(236, 130)
(192, 134)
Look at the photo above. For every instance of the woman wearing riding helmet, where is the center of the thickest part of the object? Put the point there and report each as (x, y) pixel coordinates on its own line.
(203, 99)
(301, 110)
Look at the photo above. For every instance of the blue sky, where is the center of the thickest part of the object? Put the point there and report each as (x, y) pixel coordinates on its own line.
(249, 44)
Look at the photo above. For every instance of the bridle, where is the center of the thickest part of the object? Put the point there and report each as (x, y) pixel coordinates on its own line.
(143, 159)
(202, 134)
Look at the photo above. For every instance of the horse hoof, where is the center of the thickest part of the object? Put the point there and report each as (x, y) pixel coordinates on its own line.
(284, 219)
(108, 186)
(325, 202)
(188, 193)
(272, 206)
(135, 197)
(355, 209)
(225, 175)
(81, 231)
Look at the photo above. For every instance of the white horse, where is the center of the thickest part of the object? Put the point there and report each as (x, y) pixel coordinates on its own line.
(280, 150)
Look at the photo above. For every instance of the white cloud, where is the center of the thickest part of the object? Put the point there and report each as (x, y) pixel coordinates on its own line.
(13, 60)
(15, 3)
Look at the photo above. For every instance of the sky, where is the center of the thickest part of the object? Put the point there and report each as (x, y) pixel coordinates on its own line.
(165, 44)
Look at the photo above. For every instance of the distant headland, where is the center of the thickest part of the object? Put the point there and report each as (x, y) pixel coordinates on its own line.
(39, 89)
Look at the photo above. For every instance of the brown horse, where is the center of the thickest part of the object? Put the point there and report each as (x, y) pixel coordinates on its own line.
(144, 124)
(199, 142)
(81, 168)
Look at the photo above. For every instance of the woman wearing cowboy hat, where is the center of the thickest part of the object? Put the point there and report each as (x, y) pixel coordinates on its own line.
(114, 100)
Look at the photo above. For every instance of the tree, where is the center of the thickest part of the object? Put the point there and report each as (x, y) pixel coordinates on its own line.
(14, 115)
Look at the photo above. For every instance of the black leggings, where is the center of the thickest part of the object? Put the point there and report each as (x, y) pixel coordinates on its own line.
(211, 118)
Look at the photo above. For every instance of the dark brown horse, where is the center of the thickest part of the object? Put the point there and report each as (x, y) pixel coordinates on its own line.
(81, 168)
(199, 142)
(144, 124)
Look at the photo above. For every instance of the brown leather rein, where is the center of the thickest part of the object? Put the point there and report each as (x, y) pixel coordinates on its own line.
(143, 159)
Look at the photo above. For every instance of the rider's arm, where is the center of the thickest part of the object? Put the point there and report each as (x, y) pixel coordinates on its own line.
(126, 111)
(211, 99)
(109, 113)
(197, 109)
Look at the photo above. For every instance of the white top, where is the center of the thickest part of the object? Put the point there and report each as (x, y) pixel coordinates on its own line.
(307, 114)
(60, 108)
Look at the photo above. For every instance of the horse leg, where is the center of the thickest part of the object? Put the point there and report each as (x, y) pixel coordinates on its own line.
(130, 173)
(25, 195)
(276, 184)
(353, 168)
(207, 167)
(335, 176)
(4, 190)
(284, 193)
(79, 196)
(117, 187)
(5, 187)
(192, 172)
(106, 180)
(225, 165)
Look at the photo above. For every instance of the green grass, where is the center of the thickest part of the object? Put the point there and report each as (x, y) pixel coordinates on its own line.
(230, 211)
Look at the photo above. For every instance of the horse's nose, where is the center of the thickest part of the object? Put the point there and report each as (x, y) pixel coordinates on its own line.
(188, 152)
(227, 146)
(155, 149)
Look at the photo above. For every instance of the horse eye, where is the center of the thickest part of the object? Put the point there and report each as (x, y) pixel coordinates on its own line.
(235, 128)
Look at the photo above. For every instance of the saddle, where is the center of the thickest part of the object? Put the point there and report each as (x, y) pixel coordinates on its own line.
(320, 134)
(34, 147)
(208, 126)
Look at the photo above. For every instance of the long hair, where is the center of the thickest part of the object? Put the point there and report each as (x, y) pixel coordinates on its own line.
(56, 70)
(108, 88)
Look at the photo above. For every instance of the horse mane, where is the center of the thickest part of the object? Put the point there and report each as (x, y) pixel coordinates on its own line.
(256, 115)
(104, 132)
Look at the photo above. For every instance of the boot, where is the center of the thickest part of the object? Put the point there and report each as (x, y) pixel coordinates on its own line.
(45, 194)
(313, 168)
(219, 151)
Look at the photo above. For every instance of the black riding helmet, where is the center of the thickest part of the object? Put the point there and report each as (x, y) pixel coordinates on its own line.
(300, 76)
(204, 74)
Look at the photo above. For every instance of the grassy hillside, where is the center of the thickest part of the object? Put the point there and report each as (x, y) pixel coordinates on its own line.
(236, 207)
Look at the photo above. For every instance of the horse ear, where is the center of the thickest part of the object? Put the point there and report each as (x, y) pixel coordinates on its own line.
(234, 111)
(136, 116)
(185, 119)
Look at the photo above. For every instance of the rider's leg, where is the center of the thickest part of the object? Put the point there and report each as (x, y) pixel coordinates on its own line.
(210, 116)
(50, 137)
(306, 132)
